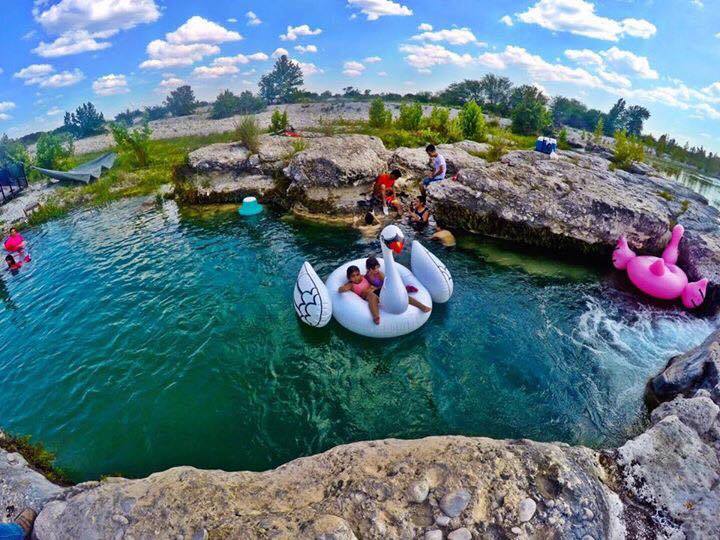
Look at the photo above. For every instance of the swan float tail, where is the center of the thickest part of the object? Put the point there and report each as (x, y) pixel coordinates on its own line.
(431, 272)
(311, 298)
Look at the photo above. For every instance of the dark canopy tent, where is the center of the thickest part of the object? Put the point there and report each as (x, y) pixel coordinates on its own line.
(85, 173)
(12, 181)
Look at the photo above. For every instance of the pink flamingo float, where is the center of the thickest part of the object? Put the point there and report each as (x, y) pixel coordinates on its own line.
(659, 277)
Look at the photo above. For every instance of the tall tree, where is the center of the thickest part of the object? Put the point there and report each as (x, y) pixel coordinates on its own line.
(283, 82)
(528, 93)
(495, 93)
(462, 92)
(614, 119)
(85, 121)
(633, 119)
(181, 101)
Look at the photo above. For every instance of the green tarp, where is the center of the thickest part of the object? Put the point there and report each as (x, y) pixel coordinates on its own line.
(85, 173)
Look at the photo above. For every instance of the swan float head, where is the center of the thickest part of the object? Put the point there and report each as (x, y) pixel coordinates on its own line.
(393, 239)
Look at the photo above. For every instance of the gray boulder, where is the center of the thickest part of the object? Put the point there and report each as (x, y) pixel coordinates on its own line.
(699, 413)
(415, 163)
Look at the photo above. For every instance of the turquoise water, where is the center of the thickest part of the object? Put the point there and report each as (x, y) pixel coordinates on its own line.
(142, 337)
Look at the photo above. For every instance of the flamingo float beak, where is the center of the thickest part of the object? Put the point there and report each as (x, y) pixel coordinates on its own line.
(396, 246)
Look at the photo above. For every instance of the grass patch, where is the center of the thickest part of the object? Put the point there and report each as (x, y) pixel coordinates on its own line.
(125, 179)
(684, 206)
(37, 456)
(666, 195)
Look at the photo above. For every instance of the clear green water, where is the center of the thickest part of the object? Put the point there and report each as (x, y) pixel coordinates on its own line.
(144, 337)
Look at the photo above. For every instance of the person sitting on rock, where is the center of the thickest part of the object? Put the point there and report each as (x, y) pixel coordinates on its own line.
(439, 166)
(420, 214)
(384, 191)
(21, 528)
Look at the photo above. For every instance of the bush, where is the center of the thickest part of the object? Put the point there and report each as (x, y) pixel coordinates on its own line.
(439, 120)
(128, 117)
(53, 151)
(599, 130)
(530, 117)
(136, 142)
(454, 131)
(226, 105)
(247, 132)
(181, 101)
(498, 148)
(410, 117)
(563, 140)
(627, 150)
(379, 115)
(155, 112)
(472, 121)
(278, 121)
(85, 121)
(12, 151)
(250, 103)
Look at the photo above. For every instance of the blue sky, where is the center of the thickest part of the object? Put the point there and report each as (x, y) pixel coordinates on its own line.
(129, 53)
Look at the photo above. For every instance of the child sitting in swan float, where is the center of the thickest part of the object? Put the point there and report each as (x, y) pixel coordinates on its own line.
(429, 281)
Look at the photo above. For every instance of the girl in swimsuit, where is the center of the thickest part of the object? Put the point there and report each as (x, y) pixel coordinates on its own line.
(358, 284)
(376, 278)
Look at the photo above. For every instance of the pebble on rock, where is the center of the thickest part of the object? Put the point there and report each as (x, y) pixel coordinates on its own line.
(460, 534)
(516, 530)
(455, 502)
(527, 509)
(418, 491)
(433, 535)
(442, 521)
(120, 519)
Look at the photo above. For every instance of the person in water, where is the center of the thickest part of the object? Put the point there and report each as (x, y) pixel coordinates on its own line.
(369, 225)
(420, 215)
(439, 166)
(376, 278)
(12, 264)
(358, 284)
(384, 191)
(445, 237)
(17, 239)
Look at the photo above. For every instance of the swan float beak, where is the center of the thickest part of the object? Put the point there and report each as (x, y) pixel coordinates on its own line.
(396, 246)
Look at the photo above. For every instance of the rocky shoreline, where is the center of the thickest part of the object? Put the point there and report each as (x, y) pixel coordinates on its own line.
(663, 483)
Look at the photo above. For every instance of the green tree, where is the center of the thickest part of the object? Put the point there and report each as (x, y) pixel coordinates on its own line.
(439, 120)
(495, 92)
(181, 101)
(563, 140)
(155, 112)
(379, 116)
(529, 115)
(526, 93)
(278, 121)
(462, 92)
(662, 145)
(12, 151)
(472, 121)
(410, 117)
(627, 150)
(85, 121)
(53, 151)
(226, 105)
(135, 142)
(633, 119)
(599, 131)
(250, 103)
(614, 118)
(282, 83)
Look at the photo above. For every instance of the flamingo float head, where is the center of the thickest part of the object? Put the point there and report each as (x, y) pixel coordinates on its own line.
(694, 293)
(622, 254)
(393, 238)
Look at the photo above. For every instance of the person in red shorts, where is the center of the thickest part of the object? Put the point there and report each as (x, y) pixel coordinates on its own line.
(384, 191)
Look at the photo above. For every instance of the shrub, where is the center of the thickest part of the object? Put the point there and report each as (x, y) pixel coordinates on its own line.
(379, 115)
(454, 130)
(326, 127)
(53, 151)
(627, 150)
(250, 103)
(530, 117)
(498, 148)
(299, 145)
(181, 101)
(599, 130)
(136, 142)
(128, 117)
(85, 121)
(226, 104)
(247, 132)
(278, 121)
(563, 140)
(12, 151)
(155, 112)
(472, 121)
(439, 120)
(410, 116)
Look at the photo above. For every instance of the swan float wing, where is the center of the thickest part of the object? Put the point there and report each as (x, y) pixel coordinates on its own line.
(431, 272)
(311, 298)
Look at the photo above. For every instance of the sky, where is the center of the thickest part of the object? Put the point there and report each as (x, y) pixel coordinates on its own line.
(663, 55)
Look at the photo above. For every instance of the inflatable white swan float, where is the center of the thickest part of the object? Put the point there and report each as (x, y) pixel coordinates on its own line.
(315, 302)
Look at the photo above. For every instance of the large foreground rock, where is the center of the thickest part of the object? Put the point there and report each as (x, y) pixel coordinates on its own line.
(577, 204)
(360, 491)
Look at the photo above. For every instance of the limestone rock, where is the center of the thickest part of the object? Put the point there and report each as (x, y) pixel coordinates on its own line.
(699, 413)
(471, 147)
(576, 204)
(415, 163)
(526, 510)
(433, 535)
(453, 503)
(418, 491)
(687, 373)
(221, 157)
(460, 534)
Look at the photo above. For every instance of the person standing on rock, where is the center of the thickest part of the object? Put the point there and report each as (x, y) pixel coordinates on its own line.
(437, 162)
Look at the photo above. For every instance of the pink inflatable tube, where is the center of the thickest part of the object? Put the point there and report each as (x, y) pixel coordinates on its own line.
(659, 277)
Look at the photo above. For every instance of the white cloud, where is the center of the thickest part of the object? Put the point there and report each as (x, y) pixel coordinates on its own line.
(164, 55)
(579, 17)
(454, 36)
(717, 35)
(232, 20)
(277, 53)
(170, 83)
(4, 116)
(538, 68)
(374, 9)
(240, 59)
(72, 42)
(44, 76)
(96, 15)
(6, 106)
(302, 49)
(55, 111)
(110, 85)
(253, 20)
(353, 68)
(423, 57)
(614, 78)
(506, 20)
(309, 68)
(382, 73)
(425, 27)
(213, 72)
(199, 30)
(629, 62)
(294, 32)
(585, 57)
(372, 60)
